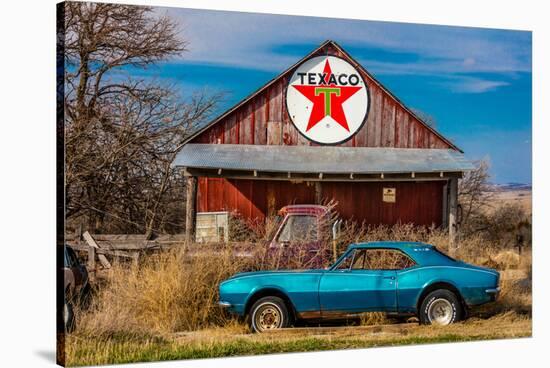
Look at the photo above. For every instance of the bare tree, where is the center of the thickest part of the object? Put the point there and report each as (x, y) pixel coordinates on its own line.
(482, 213)
(121, 133)
(474, 192)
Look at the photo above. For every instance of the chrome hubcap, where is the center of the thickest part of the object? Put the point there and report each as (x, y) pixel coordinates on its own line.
(268, 318)
(440, 312)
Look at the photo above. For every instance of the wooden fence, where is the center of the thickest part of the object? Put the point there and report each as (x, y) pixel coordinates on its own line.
(128, 247)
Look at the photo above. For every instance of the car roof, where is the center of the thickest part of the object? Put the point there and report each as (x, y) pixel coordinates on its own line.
(421, 253)
(403, 245)
(303, 208)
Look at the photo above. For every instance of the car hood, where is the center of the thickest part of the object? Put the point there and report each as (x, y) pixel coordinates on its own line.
(275, 272)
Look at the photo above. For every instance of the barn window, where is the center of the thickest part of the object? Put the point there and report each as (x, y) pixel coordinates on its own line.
(299, 229)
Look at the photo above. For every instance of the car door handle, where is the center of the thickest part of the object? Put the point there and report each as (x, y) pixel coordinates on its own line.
(389, 277)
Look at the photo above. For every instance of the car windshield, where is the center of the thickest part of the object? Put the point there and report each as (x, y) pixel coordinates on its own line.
(299, 228)
(71, 260)
(273, 225)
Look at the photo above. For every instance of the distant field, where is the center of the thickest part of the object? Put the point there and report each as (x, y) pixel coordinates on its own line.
(522, 197)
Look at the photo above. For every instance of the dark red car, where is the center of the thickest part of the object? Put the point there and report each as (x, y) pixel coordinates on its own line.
(76, 287)
(305, 235)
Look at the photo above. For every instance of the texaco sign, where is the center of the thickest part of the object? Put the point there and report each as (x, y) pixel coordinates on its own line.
(327, 100)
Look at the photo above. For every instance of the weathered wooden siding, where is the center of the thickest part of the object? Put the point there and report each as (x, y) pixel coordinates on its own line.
(253, 199)
(264, 120)
(416, 202)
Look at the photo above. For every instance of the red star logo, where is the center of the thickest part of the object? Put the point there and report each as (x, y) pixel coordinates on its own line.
(327, 99)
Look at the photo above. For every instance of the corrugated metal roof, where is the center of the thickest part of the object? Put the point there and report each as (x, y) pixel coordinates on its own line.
(326, 159)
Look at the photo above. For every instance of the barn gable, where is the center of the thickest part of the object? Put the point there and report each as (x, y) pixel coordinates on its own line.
(262, 118)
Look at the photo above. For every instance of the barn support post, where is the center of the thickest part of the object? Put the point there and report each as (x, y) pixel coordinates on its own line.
(453, 212)
(190, 208)
(318, 193)
(445, 207)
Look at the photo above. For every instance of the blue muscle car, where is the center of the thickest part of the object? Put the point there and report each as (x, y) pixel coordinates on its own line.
(393, 277)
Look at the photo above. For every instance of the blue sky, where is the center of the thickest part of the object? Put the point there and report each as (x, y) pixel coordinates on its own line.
(475, 82)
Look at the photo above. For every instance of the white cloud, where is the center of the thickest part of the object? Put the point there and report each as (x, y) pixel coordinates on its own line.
(474, 85)
(247, 40)
(469, 61)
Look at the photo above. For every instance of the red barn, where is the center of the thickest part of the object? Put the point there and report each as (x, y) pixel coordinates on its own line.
(324, 129)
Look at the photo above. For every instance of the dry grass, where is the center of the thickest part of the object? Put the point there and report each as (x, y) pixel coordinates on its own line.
(167, 307)
(170, 292)
(223, 342)
(174, 292)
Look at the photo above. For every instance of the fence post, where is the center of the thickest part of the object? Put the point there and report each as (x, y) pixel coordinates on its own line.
(91, 258)
(92, 243)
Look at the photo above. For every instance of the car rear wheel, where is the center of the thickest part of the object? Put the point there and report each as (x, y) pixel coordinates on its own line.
(268, 313)
(440, 307)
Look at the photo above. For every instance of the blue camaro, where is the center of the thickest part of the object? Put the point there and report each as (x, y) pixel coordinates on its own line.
(393, 277)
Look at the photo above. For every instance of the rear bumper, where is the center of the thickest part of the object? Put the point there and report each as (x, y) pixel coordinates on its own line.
(493, 293)
(479, 296)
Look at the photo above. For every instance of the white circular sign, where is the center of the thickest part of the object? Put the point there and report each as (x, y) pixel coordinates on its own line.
(327, 100)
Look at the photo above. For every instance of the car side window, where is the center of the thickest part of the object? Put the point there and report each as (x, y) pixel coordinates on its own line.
(299, 228)
(347, 262)
(359, 260)
(386, 259)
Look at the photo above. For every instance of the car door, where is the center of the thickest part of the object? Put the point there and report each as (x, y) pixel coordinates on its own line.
(353, 287)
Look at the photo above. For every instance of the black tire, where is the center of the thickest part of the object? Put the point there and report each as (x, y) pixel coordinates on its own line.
(441, 307)
(69, 320)
(268, 313)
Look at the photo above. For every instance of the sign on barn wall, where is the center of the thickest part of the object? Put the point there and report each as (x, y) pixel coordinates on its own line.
(388, 195)
(327, 100)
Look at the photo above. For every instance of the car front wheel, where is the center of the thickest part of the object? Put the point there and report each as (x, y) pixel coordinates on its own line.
(268, 313)
(68, 317)
(440, 307)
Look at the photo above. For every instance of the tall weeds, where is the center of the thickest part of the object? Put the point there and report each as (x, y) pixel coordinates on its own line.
(169, 292)
(177, 290)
